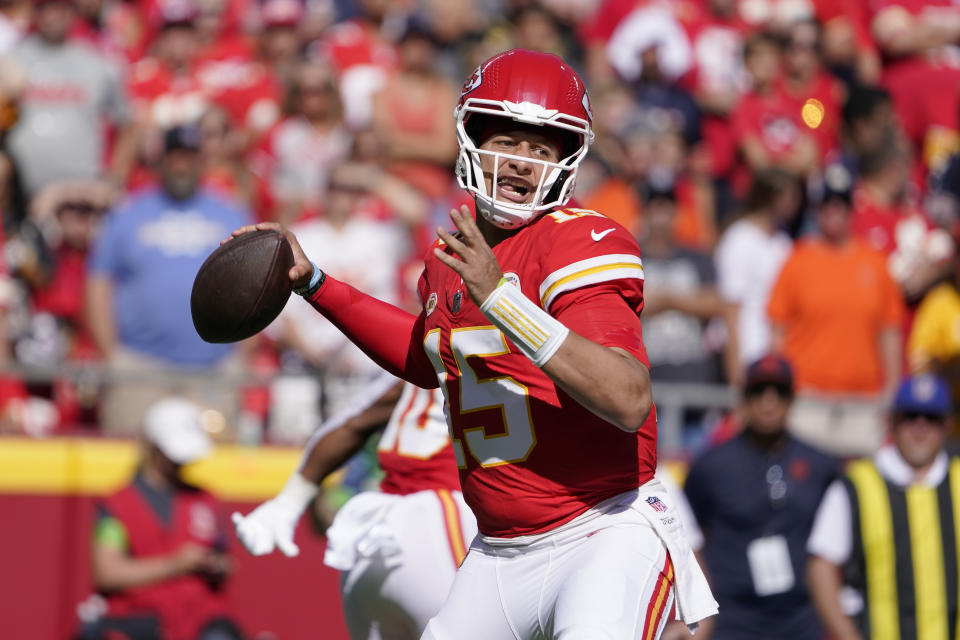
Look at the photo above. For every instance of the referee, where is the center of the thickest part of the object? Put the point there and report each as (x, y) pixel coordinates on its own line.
(883, 549)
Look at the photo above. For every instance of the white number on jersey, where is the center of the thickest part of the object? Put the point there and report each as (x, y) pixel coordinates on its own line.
(476, 394)
(417, 427)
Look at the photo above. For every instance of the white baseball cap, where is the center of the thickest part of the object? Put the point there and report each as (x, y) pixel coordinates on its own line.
(174, 426)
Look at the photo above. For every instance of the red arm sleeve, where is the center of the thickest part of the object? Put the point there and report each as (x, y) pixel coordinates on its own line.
(390, 336)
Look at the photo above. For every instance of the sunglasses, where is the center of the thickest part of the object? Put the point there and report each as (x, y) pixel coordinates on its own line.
(756, 390)
(914, 416)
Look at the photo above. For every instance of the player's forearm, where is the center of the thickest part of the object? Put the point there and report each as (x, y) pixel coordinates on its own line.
(332, 450)
(390, 336)
(607, 381)
(823, 581)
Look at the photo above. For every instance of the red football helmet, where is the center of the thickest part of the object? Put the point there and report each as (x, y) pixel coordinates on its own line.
(531, 88)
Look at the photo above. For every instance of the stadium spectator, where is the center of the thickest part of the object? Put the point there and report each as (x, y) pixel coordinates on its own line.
(868, 121)
(749, 256)
(885, 218)
(225, 169)
(230, 72)
(410, 116)
(14, 23)
(680, 299)
(279, 42)
(533, 26)
(756, 522)
(397, 549)
(817, 95)
(159, 544)
(115, 29)
(767, 123)
(717, 82)
(934, 342)
(916, 40)
(887, 529)
(140, 276)
(361, 249)
(838, 316)
(48, 254)
(848, 49)
(70, 94)
(362, 55)
(164, 86)
(297, 155)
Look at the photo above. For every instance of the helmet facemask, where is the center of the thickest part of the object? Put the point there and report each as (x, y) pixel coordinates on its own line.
(556, 180)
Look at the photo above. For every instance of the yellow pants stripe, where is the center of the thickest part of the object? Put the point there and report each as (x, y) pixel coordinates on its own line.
(662, 590)
(451, 516)
(926, 549)
(880, 557)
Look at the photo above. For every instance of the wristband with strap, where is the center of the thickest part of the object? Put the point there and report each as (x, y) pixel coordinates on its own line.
(536, 333)
(316, 281)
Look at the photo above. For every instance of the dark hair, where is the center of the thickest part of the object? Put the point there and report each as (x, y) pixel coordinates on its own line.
(757, 40)
(863, 103)
(887, 151)
(765, 187)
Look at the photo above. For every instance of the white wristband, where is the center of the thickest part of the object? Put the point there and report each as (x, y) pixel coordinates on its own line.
(535, 332)
(297, 493)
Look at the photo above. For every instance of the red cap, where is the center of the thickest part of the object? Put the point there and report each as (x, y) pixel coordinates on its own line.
(770, 369)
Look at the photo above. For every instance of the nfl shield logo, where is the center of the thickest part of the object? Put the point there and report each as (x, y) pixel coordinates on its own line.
(656, 503)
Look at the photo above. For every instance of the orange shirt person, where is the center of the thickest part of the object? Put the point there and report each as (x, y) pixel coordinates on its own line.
(837, 314)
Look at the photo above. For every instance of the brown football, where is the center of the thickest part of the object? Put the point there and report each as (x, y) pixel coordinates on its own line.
(242, 286)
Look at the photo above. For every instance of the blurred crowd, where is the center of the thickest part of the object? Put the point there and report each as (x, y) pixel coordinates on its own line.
(791, 169)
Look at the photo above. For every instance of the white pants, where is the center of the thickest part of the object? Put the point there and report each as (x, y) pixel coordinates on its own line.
(397, 557)
(603, 578)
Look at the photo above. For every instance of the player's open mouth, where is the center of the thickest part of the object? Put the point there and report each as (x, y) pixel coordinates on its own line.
(514, 189)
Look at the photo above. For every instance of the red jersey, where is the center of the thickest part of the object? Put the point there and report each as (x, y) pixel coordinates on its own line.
(877, 225)
(415, 451)
(818, 106)
(773, 118)
(532, 458)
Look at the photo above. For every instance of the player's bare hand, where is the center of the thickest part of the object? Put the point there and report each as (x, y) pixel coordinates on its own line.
(302, 268)
(477, 265)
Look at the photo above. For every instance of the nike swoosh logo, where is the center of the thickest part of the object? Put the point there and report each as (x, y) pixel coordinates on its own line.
(599, 236)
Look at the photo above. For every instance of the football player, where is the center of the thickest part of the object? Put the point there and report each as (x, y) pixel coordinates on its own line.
(397, 549)
(530, 325)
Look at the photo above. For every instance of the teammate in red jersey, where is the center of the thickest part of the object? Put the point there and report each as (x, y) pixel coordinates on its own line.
(530, 325)
(397, 549)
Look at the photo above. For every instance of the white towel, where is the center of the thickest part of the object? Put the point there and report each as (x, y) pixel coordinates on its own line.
(360, 530)
(694, 599)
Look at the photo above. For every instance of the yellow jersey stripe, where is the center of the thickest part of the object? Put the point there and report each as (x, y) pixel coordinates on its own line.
(880, 556)
(559, 285)
(926, 548)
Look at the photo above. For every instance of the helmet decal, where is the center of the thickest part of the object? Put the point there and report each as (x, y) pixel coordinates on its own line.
(472, 82)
